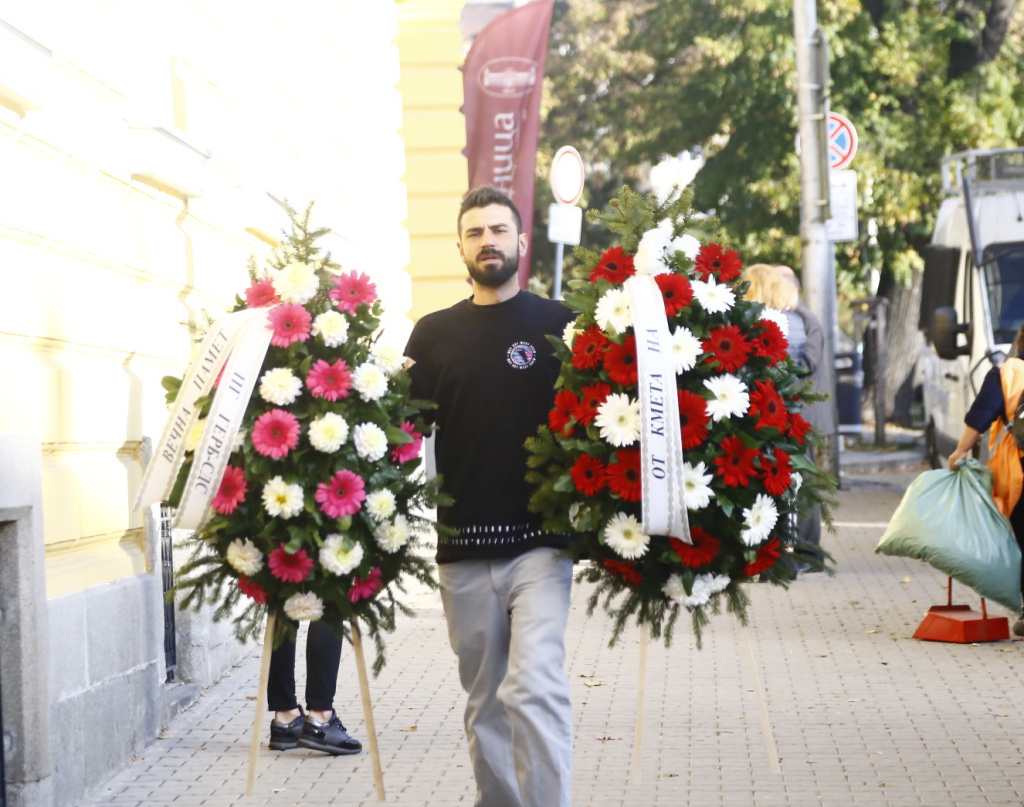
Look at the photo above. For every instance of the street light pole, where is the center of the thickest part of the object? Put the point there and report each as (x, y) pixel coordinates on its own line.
(818, 259)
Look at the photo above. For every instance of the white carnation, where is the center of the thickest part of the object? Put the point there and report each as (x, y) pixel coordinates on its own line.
(331, 327)
(686, 244)
(304, 607)
(280, 386)
(369, 381)
(328, 432)
(340, 555)
(282, 499)
(381, 504)
(387, 357)
(625, 536)
(370, 441)
(674, 588)
(612, 311)
(704, 586)
(296, 283)
(243, 555)
(392, 535)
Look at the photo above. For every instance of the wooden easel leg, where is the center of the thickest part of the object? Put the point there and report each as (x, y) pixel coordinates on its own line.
(371, 730)
(261, 702)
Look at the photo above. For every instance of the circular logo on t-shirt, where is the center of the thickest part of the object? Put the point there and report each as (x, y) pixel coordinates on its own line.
(521, 355)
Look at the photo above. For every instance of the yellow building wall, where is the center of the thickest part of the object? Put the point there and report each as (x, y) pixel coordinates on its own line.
(434, 131)
(140, 147)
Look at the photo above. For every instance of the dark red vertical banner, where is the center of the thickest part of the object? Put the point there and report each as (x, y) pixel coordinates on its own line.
(502, 83)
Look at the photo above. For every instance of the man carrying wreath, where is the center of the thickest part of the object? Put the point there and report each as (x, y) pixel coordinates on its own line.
(487, 364)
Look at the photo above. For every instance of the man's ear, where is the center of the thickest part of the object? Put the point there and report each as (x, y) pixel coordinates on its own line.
(524, 242)
(462, 254)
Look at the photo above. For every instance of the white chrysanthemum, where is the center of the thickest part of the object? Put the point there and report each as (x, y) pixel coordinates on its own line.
(239, 440)
(280, 386)
(686, 349)
(650, 253)
(340, 555)
(296, 283)
(715, 298)
(387, 357)
(731, 397)
(392, 535)
(195, 435)
(686, 244)
(618, 418)
(704, 586)
(697, 491)
(281, 498)
(626, 537)
(331, 327)
(759, 520)
(674, 172)
(243, 555)
(370, 441)
(798, 480)
(304, 607)
(328, 432)
(380, 504)
(674, 588)
(612, 311)
(778, 317)
(369, 381)
(569, 333)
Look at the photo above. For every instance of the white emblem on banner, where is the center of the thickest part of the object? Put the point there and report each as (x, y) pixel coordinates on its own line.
(661, 446)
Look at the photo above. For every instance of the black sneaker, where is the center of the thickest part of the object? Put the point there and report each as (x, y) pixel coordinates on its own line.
(330, 737)
(286, 735)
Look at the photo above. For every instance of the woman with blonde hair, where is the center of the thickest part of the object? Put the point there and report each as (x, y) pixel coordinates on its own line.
(769, 286)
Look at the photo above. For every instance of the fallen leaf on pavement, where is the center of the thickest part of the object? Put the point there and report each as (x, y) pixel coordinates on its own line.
(409, 728)
(905, 580)
(603, 737)
(592, 683)
(871, 631)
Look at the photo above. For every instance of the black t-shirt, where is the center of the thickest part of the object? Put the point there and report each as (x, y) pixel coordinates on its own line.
(492, 372)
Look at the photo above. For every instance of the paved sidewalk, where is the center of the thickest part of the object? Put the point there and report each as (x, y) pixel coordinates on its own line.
(860, 713)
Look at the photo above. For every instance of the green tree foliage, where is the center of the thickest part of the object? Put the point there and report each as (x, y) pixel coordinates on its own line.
(630, 81)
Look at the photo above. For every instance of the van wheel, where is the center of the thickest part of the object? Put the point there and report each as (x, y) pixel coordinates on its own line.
(931, 447)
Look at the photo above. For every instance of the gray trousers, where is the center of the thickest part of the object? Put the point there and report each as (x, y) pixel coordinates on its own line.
(506, 623)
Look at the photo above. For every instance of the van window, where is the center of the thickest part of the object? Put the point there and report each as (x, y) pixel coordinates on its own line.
(1004, 268)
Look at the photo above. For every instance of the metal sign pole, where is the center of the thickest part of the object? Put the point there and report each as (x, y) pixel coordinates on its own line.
(556, 289)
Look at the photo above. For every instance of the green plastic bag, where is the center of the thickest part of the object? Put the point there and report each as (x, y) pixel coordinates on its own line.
(948, 518)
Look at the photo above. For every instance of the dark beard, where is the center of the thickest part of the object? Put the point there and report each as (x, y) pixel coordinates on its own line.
(494, 276)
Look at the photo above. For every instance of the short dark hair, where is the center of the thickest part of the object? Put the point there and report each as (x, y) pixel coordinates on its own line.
(485, 196)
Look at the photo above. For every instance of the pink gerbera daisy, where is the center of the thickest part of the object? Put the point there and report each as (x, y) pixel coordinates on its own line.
(232, 491)
(353, 290)
(343, 495)
(330, 381)
(408, 451)
(291, 567)
(261, 293)
(275, 433)
(364, 589)
(291, 323)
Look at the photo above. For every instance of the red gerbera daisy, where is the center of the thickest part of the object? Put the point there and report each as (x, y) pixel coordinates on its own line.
(624, 474)
(767, 404)
(291, 567)
(588, 348)
(777, 475)
(254, 591)
(329, 381)
(771, 343)
(620, 361)
(565, 407)
(231, 492)
(261, 293)
(703, 549)
(364, 589)
(624, 570)
(353, 289)
(766, 557)
(693, 418)
(341, 495)
(275, 433)
(798, 427)
(712, 261)
(614, 265)
(736, 462)
(588, 474)
(591, 398)
(728, 346)
(676, 291)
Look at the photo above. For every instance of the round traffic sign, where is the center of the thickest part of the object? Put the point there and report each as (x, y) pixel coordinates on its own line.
(567, 176)
(842, 141)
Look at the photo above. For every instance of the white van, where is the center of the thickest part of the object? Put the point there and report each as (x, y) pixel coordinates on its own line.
(972, 300)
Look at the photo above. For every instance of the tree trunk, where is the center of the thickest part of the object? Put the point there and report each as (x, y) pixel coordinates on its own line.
(904, 343)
